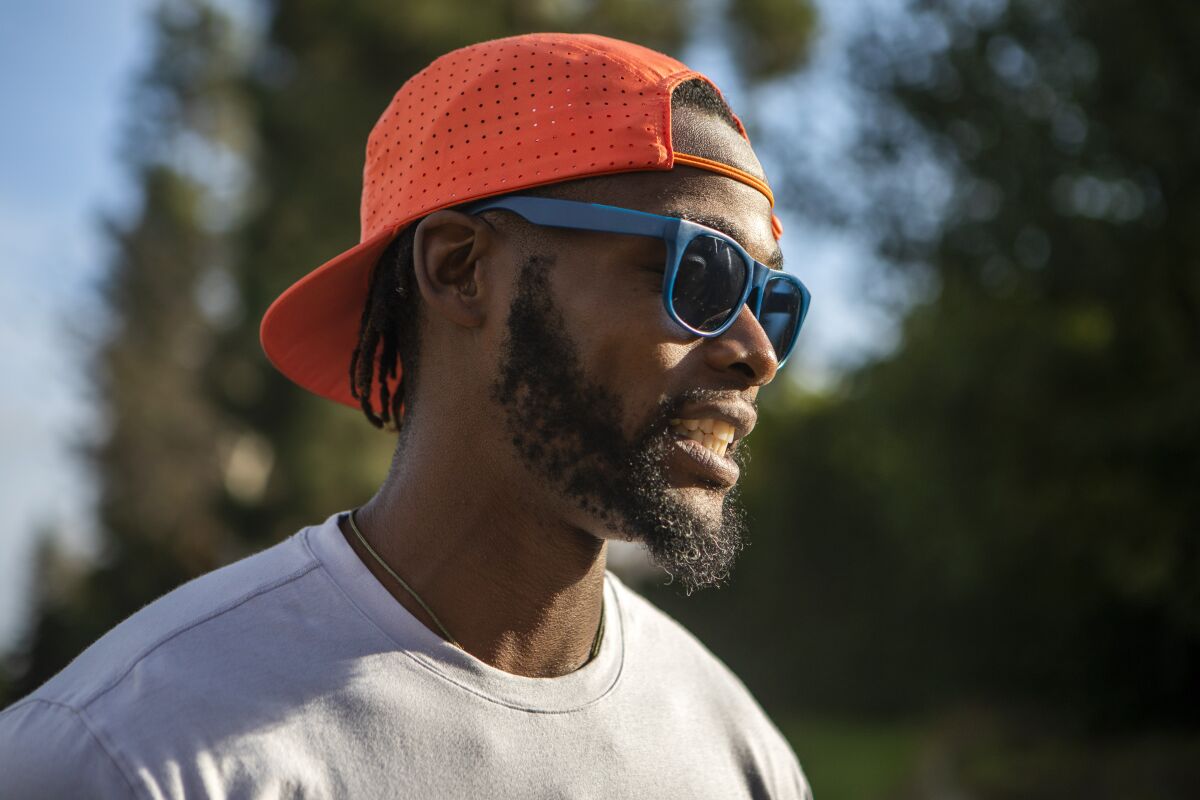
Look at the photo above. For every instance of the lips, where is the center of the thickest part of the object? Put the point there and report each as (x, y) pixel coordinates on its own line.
(703, 436)
(700, 461)
(703, 432)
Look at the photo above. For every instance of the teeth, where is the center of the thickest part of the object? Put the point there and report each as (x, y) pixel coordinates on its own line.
(714, 434)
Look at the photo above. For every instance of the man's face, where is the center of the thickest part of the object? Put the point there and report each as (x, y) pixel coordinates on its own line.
(571, 429)
(593, 372)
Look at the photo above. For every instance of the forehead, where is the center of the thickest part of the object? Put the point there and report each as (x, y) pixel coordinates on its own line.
(744, 216)
(729, 206)
(732, 207)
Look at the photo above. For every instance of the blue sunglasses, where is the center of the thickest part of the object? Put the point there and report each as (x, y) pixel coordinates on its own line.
(708, 278)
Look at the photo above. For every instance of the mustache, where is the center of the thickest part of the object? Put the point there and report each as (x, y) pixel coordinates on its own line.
(656, 434)
(671, 407)
(712, 396)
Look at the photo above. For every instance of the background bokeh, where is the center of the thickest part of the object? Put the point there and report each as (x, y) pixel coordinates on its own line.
(975, 568)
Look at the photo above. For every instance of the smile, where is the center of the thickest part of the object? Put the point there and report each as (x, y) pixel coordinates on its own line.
(713, 434)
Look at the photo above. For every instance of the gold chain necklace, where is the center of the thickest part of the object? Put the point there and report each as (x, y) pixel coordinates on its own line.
(354, 527)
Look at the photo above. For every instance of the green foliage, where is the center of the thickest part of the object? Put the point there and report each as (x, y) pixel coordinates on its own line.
(1036, 767)
(1045, 404)
(771, 37)
(1005, 507)
(974, 753)
(853, 760)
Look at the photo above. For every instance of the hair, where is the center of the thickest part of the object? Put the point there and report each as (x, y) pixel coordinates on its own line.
(389, 332)
(700, 95)
(389, 329)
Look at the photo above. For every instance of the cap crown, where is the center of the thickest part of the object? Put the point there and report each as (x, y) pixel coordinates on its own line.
(512, 113)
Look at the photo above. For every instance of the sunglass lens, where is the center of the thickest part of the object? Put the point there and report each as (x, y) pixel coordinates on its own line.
(780, 314)
(709, 283)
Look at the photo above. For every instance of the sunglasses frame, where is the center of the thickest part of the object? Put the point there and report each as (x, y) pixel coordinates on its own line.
(675, 232)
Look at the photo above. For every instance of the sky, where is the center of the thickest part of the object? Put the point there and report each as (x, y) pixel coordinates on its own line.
(69, 66)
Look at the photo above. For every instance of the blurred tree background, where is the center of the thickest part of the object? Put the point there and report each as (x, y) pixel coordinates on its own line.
(975, 568)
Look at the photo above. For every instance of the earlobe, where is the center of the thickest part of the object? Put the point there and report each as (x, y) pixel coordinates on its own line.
(447, 250)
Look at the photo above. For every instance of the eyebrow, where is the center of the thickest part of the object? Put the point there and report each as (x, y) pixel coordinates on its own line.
(774, 261)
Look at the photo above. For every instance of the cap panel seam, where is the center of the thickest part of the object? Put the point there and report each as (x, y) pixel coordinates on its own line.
(630, 66)
(668, 84)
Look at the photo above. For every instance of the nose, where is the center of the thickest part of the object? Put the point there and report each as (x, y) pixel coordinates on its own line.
(744, 348)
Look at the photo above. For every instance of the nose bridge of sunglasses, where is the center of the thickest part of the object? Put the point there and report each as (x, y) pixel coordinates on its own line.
(762, 281)
(760, 275)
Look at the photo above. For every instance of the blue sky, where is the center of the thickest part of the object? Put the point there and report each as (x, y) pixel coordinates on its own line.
(65, 67)
(66, 71)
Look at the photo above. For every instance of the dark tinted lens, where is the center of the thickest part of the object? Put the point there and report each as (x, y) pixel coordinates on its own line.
(709, 283)
(780, 314)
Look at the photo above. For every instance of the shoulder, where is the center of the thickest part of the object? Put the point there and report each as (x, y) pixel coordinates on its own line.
(39, 737)
(678, 663)
(164, 661)
(158, 628)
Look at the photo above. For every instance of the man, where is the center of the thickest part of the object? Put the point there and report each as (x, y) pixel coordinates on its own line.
(567, 363)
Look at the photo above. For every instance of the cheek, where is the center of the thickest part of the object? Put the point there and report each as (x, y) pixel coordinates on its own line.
(620, 320)
(611, 300)
(628, 344)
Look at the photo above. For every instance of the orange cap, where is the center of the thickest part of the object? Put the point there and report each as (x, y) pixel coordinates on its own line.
(488, 119)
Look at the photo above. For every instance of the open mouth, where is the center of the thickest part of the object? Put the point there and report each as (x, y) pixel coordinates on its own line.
(714, 434)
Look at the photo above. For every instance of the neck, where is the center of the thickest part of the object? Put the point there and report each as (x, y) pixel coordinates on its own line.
(515, 589)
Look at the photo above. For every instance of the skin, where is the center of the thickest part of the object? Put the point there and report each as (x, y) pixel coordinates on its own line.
(512, 565)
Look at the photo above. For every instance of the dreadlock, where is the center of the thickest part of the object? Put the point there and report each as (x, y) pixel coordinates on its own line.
(389, 334)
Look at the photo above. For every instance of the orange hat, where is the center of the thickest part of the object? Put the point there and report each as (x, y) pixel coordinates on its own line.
(488, 119)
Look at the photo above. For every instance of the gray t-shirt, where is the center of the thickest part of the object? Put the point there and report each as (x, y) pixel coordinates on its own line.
(293, 673)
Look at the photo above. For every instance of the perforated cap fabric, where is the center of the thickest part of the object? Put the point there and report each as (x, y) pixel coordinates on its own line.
(488, 119)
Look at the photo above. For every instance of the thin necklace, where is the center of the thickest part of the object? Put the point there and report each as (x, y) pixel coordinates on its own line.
(354, 527)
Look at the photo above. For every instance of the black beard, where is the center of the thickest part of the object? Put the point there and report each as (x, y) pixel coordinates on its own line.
(567, 429)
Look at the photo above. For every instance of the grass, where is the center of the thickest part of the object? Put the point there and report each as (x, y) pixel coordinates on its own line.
(848, 759)
(989, 755)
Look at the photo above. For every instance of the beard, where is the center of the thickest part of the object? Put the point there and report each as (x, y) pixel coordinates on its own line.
(567, 429)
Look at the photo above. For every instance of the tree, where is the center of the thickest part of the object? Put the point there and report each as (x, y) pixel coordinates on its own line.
(1005, 507)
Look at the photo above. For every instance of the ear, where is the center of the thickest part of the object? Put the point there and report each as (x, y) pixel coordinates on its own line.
(447, 250)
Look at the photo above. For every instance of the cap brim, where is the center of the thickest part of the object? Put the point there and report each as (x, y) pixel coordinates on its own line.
(311, 330)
